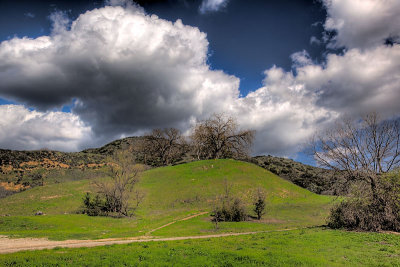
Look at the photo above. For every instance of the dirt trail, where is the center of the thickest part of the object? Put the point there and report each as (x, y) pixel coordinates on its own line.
(184, 219)
(8, 245)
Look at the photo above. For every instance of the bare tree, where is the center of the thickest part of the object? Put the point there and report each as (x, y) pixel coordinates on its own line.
(118, 192)
(163, 146)
(219, 137)
(364, 151)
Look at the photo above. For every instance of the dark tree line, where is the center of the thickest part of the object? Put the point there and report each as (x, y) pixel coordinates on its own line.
(216, 137)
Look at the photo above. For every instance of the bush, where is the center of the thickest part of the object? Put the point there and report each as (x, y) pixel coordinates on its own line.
(259, 202)
(5, 193)
(114, 195)
(229, 210)
(94, 206)
(368, 213)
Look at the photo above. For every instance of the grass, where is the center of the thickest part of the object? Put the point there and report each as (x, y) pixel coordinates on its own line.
(172, 193)
(73, 226)
(51, 199)
(309, 247)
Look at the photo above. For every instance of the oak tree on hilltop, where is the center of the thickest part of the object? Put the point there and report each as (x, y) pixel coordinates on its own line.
(220, 137)
(163, 147)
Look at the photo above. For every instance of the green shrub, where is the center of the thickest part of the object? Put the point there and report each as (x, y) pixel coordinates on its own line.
(259, 202)
(229, 210)
(94, 206)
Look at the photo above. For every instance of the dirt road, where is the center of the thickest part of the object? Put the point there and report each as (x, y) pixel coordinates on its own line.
(10, 245)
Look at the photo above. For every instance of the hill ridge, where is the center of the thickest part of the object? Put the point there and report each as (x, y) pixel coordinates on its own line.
(16, 166)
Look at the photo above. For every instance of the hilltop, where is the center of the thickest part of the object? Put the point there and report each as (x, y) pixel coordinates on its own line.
(116, 145)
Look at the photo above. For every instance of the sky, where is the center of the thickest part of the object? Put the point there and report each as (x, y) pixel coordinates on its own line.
(79, 74)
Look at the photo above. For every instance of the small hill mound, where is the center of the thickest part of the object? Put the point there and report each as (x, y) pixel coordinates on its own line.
(197, 183)
(182, 187)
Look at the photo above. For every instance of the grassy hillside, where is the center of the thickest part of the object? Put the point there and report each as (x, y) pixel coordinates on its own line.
(21, 170)
(172, 193)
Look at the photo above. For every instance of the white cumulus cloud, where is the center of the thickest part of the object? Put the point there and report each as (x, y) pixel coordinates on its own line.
(363, 23)
(212, 5)
(23, 129)
(290, 107)
(128, 71)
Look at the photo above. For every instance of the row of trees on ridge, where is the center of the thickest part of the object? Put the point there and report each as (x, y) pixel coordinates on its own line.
(216, 137)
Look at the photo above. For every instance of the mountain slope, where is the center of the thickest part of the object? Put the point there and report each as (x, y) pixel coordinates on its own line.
(317, 180)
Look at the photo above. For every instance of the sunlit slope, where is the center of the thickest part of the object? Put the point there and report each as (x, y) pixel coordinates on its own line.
(196, 184)
(171, 193)
(194, 187)
(52, 199)
(191, 186)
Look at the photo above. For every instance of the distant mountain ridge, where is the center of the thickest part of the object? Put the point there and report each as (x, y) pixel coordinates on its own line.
(110, 148)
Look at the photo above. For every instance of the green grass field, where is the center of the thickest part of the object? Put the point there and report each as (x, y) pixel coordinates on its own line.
(172, 193)
(309, 247)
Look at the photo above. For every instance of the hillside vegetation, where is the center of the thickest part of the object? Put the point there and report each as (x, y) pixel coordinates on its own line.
(21, 170)
(171, 193)
(317, 180)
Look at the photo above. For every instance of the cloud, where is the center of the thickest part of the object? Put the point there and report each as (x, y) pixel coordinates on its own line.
(301, 59)
(128, 71)
(283, 112)
(23, 129)
(357, 82)
(60, 21)
(29, 15)
(212, 5)
(293, 105)
(362, 23)
(315, 40)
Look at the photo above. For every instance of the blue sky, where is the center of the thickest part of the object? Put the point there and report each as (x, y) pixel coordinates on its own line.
(77, 74)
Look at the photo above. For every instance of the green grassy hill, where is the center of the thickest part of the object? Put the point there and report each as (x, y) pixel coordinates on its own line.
(20, 170)
(172, 193)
